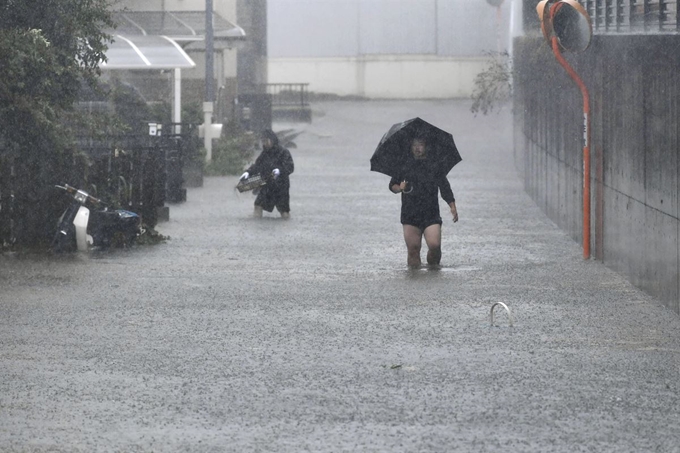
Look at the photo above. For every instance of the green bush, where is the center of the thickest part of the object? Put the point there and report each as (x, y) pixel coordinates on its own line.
(232, 152)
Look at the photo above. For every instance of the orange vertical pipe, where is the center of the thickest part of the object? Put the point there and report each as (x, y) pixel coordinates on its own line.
(586, 146)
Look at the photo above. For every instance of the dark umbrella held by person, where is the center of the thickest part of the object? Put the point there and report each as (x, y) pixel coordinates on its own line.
(274, 164)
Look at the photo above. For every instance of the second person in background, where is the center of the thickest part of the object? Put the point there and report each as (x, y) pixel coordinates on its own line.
(274, 164)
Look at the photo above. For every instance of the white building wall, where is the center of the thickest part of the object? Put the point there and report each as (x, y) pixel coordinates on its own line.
(393, 49)
(382, 76)
(346, 28)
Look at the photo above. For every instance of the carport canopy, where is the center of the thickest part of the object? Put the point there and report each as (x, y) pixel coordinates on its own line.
(146, 52)
(154, 39)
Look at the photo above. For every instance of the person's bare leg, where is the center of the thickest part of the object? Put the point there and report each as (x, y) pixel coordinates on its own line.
(433, 239)
(285, 215)
(257, 212)
(413, 238)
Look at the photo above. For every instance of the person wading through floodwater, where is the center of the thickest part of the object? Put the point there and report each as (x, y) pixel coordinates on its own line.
(274, 164)
(419, 184)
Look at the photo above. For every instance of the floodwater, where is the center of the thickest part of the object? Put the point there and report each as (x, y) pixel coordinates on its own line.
(311, 334)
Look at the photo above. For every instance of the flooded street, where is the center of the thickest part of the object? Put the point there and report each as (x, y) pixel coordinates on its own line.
(242, 334)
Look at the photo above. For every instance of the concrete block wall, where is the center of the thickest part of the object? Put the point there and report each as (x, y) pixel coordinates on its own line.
(634, 86)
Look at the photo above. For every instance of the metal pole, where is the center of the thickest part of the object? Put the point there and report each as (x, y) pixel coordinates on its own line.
(511, 35)
(499, 18)
(209, 80)
(358, 27)
(177, 100)
(209, 53)
(436, 27)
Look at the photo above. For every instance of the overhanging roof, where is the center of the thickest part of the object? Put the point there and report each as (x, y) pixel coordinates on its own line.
(154, 39)
(178, 25)
(146, 52)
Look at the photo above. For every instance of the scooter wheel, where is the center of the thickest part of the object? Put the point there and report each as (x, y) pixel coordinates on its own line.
(63, 243)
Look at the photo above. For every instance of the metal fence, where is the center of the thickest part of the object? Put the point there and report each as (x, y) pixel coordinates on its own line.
(138, 173)
(141, 173)
(290, 101)
(289, 94)
(633, 16)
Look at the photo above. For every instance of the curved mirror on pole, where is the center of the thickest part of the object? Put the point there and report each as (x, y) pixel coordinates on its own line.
(566, 26)
(543, 10)
(571, 24)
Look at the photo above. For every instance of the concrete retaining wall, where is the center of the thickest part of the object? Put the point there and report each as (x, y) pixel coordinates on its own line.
(634, 85)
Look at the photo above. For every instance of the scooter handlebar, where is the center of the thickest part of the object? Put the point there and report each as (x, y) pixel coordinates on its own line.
(80, 195)
(67, 188)
(94, 200)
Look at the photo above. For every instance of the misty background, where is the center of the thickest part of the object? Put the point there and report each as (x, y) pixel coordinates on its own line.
(345, 28)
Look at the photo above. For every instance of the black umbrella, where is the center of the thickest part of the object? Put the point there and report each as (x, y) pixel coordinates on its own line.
(394, 150)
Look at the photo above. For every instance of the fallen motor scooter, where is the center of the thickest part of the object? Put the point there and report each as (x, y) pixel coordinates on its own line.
(80, 227)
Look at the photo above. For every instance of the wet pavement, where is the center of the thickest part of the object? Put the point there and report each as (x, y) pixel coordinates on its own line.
(310, 334)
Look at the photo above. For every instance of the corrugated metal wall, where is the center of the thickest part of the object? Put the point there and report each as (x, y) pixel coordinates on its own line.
(634, 85)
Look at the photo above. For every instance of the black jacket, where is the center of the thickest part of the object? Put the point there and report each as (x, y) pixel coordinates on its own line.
(425, 183)
(276, 193)
(269, 159)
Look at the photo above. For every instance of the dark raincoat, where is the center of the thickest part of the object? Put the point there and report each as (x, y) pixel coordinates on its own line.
(420, 207)
(276, 193)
